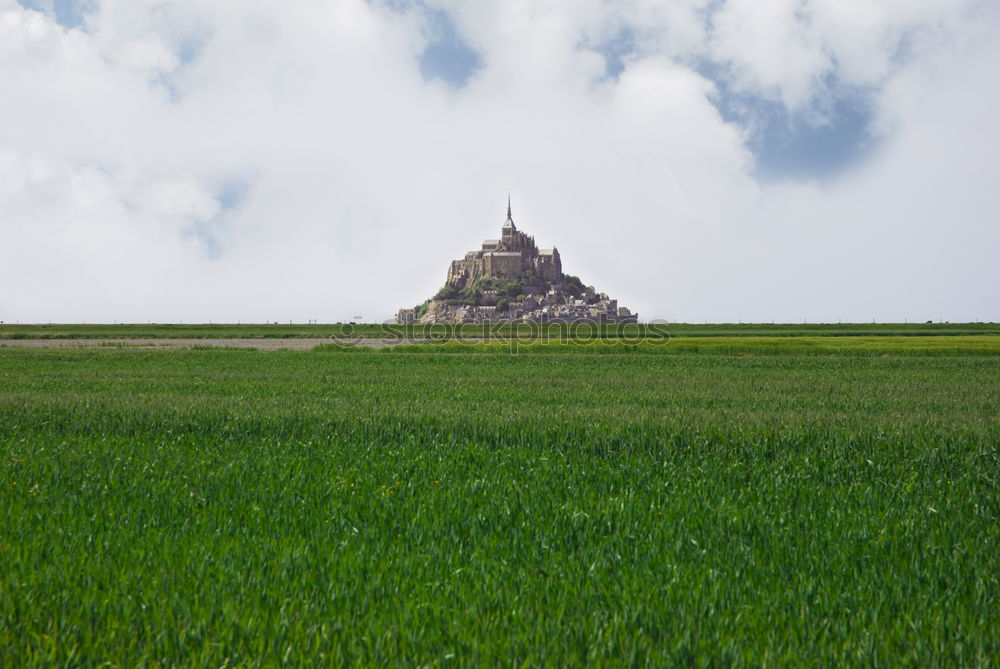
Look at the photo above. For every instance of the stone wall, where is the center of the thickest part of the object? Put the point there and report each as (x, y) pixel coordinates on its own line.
(503, 266)
(549, 267)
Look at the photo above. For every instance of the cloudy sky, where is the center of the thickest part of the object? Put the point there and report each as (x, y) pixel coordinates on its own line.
(224, 160)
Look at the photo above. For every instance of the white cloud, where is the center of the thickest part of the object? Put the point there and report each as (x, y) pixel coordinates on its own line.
(798, 51)
(360, 181)
(773, 48)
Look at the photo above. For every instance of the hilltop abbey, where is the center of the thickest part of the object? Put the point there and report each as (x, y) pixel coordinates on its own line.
(511, 279)
(507, 258)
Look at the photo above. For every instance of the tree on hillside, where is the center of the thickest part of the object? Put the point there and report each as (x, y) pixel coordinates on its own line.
(446, 293)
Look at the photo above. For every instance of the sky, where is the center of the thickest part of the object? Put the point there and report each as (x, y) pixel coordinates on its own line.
(698, 160)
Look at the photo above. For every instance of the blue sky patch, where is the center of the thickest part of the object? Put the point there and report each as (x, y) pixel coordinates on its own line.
(788, 145)
(190, 49)
(230, 195)
(206, 237)
(784, 144)
(447, 57)
(68, 13)
(615, 52)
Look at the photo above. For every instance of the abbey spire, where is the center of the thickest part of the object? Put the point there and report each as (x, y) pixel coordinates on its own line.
(509, 223)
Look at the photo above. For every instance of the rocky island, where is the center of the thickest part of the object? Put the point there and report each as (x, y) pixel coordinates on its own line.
(511, 279)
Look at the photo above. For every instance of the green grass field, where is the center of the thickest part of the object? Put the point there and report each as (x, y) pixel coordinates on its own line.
(882, 345)
(322, 331)
(806, 502)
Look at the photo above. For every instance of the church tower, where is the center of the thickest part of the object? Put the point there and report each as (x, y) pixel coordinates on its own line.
(508, 226)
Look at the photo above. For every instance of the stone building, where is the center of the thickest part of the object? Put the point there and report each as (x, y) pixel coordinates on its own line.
(506, 258)
(511, 279)
(405, 316)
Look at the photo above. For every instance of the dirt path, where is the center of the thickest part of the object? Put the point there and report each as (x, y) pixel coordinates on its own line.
(262, 344)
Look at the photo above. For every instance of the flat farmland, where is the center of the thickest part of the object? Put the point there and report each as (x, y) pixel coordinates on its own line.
(569, 505)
